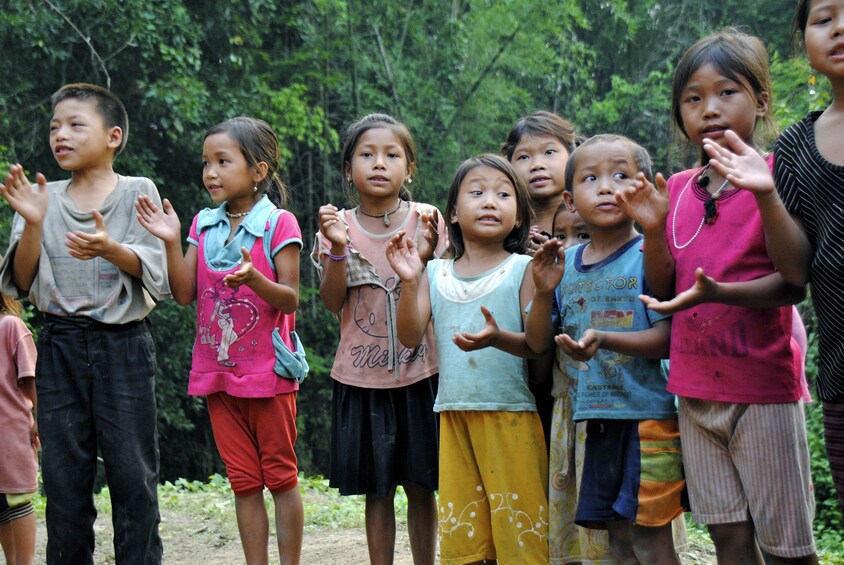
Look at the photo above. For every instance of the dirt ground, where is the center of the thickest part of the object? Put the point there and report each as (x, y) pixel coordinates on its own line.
(192, 539)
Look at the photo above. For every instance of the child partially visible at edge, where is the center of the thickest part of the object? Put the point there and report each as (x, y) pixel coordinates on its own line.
(493, 462)
(741, 416)
(383, 427)
(246, 289)
(538, 146)
(803, 217)
(19, 441)
(95, 293)
(613, 346)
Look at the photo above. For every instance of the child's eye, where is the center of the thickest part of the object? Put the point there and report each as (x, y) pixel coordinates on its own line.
(366, 154)
(729, 91)
(550, 151)
(692, 99)
(583, 236)
(392, 155)
(620, 175)
(521, 157)
(503, 194)
(589, 178)
(204, 164)
(222, 161)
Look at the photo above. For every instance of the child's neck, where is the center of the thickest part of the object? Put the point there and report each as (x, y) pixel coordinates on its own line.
(544, 210)
(372, 211)
(479, 257)
(90, 187)
(604, 242)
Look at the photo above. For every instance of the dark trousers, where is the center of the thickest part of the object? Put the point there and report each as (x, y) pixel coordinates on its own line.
(96, 388)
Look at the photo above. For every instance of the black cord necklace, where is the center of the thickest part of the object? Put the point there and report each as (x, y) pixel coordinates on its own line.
(385, 215)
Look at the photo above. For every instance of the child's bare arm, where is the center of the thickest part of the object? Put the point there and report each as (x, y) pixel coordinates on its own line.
(31, 204)
(547, 269)
(651, 343)
(164, 224)
(648, 205)
(332, 287)
(785, 238)
(27, 385)
(770, 291)
(413, 312)
(283, 294)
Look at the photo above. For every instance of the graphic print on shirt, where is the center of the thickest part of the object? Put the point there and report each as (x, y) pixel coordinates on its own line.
(224, 319)
(374, 323)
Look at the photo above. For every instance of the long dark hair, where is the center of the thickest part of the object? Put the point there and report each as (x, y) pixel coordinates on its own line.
(516, 241)
(258, 143)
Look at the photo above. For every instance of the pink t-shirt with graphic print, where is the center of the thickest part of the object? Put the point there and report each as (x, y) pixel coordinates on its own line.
(233, 351)
(369, 354)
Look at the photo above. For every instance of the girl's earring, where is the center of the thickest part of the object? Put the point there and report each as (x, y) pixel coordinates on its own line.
(255, 188)
(812, 80)
(409, 180)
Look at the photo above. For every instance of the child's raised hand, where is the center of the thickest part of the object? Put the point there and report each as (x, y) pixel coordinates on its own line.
(744, 167)
(86, 246)
(28, 201)
(244, 274)
(584, 348)
(163, 224)
(331, 225)
(536, 239)
(404, 258)
(487, 337)
(705, 289)
(647, 204)
(548, 265)
(430, 235)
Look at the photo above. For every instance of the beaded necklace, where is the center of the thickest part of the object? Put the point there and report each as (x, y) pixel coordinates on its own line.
(710, 207)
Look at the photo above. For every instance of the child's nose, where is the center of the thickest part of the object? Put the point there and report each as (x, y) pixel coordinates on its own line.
(710, 106)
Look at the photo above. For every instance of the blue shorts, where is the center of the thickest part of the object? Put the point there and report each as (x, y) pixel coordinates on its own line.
(633, 470)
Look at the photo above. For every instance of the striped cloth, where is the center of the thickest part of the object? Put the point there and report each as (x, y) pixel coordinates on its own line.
(812, 188)
(833, 426)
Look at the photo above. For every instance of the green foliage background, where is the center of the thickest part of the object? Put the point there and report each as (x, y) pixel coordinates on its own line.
(458, 73)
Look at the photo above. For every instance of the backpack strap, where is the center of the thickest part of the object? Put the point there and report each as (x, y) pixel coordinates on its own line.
(269, 232)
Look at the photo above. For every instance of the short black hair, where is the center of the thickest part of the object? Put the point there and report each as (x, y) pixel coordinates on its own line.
(639, 153)
(108, 105)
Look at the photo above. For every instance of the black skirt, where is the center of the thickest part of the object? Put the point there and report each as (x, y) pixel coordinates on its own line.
(384, 437)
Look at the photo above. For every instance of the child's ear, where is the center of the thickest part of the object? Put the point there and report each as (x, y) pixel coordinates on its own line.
(762, 100)
(115, 137)
(568, 198)
(347, 172)
(261, 169)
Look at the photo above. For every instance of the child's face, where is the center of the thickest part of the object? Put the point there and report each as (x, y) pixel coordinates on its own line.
(226, 174)
(570, 228)
(601, 170)
(379, 164)
(79, 137)
(711, 103)
(486, 208)
(541, 162)
(822, 38)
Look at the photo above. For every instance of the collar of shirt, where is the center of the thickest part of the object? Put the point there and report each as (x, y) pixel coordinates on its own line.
(222, 256)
